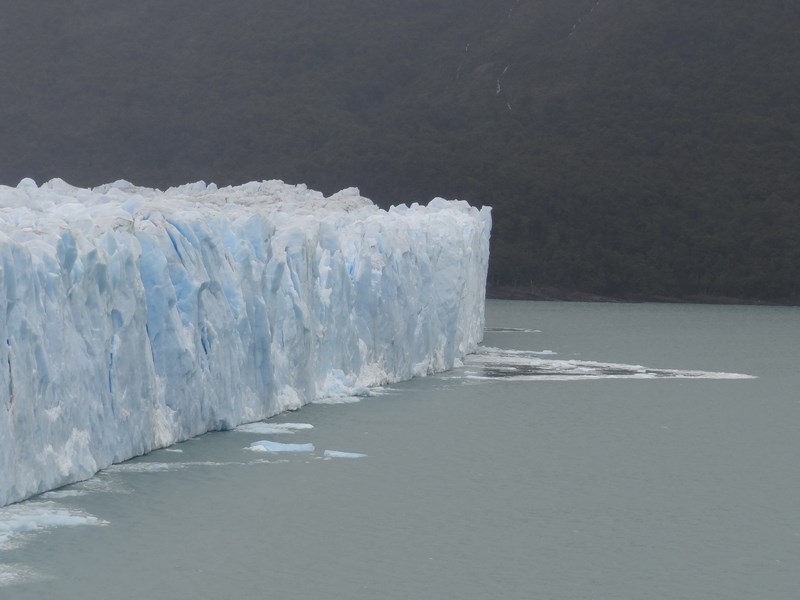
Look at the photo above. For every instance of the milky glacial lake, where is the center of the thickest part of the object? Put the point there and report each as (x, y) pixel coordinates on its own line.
(626, 451)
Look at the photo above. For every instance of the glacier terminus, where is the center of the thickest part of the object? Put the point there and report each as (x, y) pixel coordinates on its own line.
(132, 318)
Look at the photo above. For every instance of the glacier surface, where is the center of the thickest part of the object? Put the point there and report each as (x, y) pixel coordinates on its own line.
(133, 318)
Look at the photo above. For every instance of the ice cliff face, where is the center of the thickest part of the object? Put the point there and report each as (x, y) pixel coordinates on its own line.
(132, 318)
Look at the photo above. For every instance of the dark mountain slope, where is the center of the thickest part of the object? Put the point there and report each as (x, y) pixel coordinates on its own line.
(628, 147)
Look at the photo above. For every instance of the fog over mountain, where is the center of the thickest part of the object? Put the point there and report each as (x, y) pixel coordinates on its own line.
(629, 148)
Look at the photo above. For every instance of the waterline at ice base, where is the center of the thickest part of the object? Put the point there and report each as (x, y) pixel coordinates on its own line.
(132, 318)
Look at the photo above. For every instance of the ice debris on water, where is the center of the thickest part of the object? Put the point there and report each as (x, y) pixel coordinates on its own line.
(339, 454)
(497, 364)
(269, 446)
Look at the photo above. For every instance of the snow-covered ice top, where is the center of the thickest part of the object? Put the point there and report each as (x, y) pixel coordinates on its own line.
(132, 318)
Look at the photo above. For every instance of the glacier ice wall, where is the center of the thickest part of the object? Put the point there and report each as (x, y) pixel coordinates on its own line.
(132, 318)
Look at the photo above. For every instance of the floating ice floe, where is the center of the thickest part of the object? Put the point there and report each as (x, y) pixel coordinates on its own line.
(18, 522)
(24, 518)
(489, 364)
(338, 454)
(269, 446)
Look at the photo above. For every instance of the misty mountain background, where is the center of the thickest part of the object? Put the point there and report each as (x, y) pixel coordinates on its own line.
(630, 148)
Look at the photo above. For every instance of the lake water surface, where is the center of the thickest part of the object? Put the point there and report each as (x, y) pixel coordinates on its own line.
(619, 453)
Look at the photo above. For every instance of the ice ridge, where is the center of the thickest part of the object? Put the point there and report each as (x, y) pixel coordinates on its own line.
(132, 318)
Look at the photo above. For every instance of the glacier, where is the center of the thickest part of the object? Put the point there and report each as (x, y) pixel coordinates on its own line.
(132, 318)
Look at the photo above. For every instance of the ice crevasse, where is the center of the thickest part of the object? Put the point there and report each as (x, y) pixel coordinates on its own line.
(132, 318)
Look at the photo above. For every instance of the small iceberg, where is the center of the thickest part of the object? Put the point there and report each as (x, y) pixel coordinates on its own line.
(338, 454)
(268, 446)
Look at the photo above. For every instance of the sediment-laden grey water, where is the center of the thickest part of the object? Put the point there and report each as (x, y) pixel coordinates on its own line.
(588, 451)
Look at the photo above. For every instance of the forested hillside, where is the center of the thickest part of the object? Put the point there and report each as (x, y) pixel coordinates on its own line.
(630, 148)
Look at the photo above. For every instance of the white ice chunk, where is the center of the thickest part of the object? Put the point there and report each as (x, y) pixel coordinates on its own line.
(338, 454)
(269, 446)
(33, 516)
(27, 517)
(18, 522)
